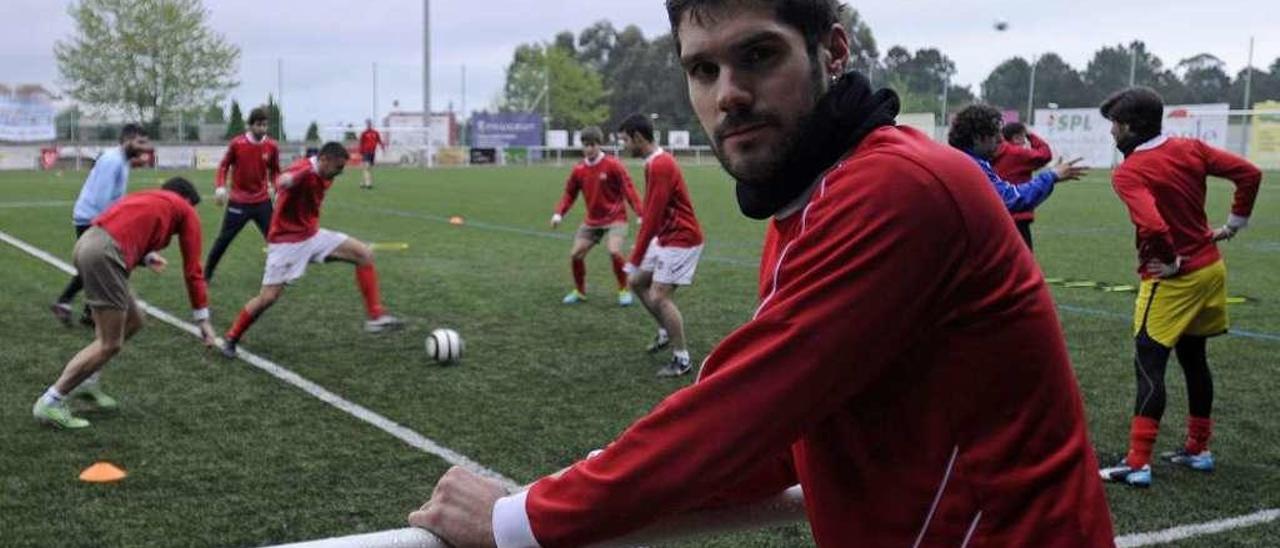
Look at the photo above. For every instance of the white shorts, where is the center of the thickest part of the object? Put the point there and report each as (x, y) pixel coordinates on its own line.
(288, 262)
(671, 265)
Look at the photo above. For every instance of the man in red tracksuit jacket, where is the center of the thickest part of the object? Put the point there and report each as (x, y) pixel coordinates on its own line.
(905, 364)
(254, 159)
(1020, 154)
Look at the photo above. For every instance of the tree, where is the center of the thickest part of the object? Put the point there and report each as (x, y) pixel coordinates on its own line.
(275, 120)
(235, 126)
(564, 41)
(1108, 72)
(863, 54)
(1205, 79)
(214, 114)
(313, 133)
(1265, 86)
(1007, 85)
(145, 58)
(68, 124)
(1059, 82)
(595, 44)
(576, 95)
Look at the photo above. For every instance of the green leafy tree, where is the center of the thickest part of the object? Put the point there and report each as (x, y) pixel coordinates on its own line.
(145, 59)
(1264, 87)
(1108, 72)
(541, 73)
(235, 126)
(864, 56)
(313, 133)
(214, 114)
(1205, 79)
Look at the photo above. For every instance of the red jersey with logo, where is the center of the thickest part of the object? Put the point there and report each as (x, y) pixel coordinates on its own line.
(905, 366)
(146, 221)
(1017, 164)
(297, 212)
(606, 188)
(668, 211)
(256, 165)
(369, 141)
(1163, 185)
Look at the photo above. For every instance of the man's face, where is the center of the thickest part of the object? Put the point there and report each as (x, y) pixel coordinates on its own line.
(986, 146)
(329, 167)
(633, 146)
(1119, 131)
(590, 150)
(752, 84)
(136, 146)
(259, 129)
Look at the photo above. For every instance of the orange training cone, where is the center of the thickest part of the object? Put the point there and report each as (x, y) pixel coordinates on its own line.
(102, 472)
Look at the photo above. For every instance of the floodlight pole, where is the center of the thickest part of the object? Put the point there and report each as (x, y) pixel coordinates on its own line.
(375, 93)
(1133, 64)
(1031, 90)
(1248, 95)
(426, 78)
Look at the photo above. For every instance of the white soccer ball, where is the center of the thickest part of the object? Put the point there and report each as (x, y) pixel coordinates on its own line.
(444, 345)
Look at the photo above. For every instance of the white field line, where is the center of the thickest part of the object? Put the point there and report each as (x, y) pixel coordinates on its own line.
(34, 204)
(389, 426)
(1197, 529)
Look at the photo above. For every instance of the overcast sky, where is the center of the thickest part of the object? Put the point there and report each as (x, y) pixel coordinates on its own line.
(328, 48)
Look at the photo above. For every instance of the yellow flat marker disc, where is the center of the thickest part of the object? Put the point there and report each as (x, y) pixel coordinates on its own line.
(1119, 289)
(390, 246)
(1237, 300)
(1055, 280)
(1081, 284)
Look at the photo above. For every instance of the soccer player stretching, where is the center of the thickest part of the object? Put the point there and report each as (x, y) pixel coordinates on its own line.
(123, 237)
(256, 160)
(668, 246)
(1020, 154)
(1183, 297)
(607, 190)
(296, 239)
(905, 365)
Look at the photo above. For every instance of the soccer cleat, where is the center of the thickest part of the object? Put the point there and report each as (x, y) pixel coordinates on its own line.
(676, 367)
(1200, 462)
(1123, 473)
(228, 349)
(94, 393)
(660, 341)
(625, 298)
(57, 415)
(61, 311)
(574, 297)
(385, 322)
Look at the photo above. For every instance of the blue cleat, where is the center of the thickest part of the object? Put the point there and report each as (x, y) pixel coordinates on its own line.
(1123, 473)
(625, 298)
(1200, 462)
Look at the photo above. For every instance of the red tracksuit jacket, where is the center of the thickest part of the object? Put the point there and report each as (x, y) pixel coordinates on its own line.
(1017, 164)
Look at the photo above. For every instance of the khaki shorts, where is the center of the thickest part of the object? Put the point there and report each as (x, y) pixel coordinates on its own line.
(100, 263)
(597, 233)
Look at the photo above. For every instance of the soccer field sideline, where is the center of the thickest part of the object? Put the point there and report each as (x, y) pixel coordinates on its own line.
(420, 442)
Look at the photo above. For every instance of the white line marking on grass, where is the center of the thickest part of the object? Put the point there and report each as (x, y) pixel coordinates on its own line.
(1197, 529)
(389, 426)
(41, 203)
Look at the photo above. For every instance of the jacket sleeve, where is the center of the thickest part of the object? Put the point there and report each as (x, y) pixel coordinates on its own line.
(658, 185)
(1154, 240)
(571, 188)
(1246, 177)
(1039, 154)
(629, 189)
(273, 167)
(228, 159)
(189, 242)
(803, 356)
(1024, 197)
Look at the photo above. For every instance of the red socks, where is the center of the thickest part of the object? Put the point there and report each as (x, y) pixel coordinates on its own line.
(1199, 430)
(367, 279)
(243, 321)
(580, 275)
(618, 273)
(1142, 439)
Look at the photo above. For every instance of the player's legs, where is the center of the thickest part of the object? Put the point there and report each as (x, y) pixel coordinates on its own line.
(61, 308)
(111, 326)
(614, 243)
(368, 170)
(360, 254)
(1192, 356)
(233, 221)
(252, 310)
(577, 261)
(1024, 230)
(261, 214)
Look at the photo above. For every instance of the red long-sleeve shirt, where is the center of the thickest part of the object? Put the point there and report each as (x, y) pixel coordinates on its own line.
(256, 163)
(369, 141)
(1163, 185)
(1017, 164)
(668, 211)
(297, 213)
(146, 221)
(905, 366)
(606, 188)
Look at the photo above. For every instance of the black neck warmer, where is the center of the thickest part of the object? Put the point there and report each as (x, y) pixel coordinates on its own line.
(842, 118)
(1131, 141)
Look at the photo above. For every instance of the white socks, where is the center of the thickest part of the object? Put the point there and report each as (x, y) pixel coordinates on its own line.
(51, 397)
(682, 355)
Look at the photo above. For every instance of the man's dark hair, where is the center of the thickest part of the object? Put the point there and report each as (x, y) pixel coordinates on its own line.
(1013, 129)
(257, 115)
(333, 150)
(637, 124)
(1141, 108)
(812, 18)
(974, 122)
(184, 188)
(131, 130)
(591, 135)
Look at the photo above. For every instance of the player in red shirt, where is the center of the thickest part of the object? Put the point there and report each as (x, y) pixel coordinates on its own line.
(1020, 154)
(1183, 297)
(126, 235)
(607, 190)
(255, 157)
(370, 140)
(668, 246)
(905, 364)
(296, 239)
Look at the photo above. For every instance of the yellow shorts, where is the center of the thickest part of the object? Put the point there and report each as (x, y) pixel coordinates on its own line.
(1192, 304)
